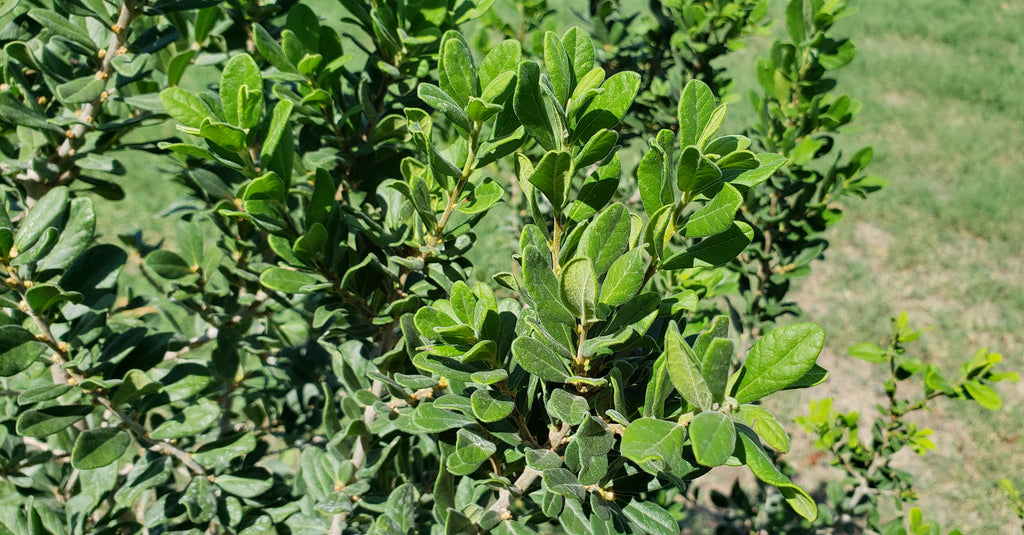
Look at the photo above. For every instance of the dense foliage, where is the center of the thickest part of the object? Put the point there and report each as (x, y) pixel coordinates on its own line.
(314, 351)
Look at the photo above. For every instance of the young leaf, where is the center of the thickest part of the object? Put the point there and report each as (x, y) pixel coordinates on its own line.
(530, 108)
(577, 286)
(778, 359)
(441, 101)
(684, 370)
(456, 72)
(553, 176)
(558, 67)
(695, 110)
(713, 436)
(715, 366)
(580, 50)
(608, 108)
(655, 173)
(503, 58)
(240, 71)
(766, 425)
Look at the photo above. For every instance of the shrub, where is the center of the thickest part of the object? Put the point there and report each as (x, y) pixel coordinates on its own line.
(309, 355)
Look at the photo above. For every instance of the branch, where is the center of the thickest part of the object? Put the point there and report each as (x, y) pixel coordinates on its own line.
(529, 475)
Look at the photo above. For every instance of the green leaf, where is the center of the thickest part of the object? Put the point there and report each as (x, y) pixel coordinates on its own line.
(659, 230)
(49, 420)
(530, 108)
(606, 238)
(558, 67)
(456, 72)
(241, 71)
(75, 238)
(41, 393)
(19, 348)
(577, 286)
(271, 51)
(220, 453)
(778, 359)
(184, 107)
(766, 425)
(288, 281)
(504, 57)
(135, 385)
(567, 407)
(563, 482)
(696, 107)
(985, 395)
(695, 172)
(63, 27)
(553, 176)
(471, 450)
(80, 90)
(168, 264)
(649, 517)
(580, 50)
(43, 297)
(624, 280)
(489, 406)
(14, 111)
(539, 359)
(45, 214)
(652, 443)
(597, 148)
(223, 134)
(869, 352)
(655, 173)
(713, 436)
(715, 367)
(714, 250)
(796, 18)
(716, 216)
(441, 101)
(542, 287)
(482, 197)
(193, 420)
(96, 448)
(751, 454)
(434, 420)
(769, 164)
(248, 482)
(684, 370)
(608, 108)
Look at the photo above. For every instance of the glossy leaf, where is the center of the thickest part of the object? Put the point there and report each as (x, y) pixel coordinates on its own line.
(471, 450)
(608, 108)
(778, 359)
(553, 177)
(168, 264)
(489, 406)
(191, 421)
(761, 465)
(717, 215)
(19, 348)
(649, 517)
(543, 287)
(184, 107)
(45, 214)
